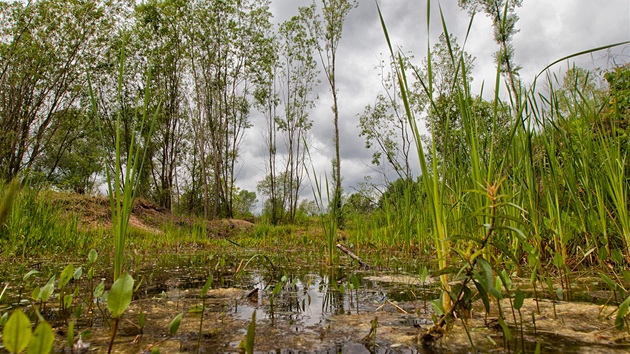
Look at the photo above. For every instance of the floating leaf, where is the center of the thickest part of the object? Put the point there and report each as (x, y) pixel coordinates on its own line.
(42, 340)
(174, 326)
(17, 332)
(120, 295)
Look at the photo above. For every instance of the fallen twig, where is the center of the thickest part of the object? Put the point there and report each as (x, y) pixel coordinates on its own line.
(345, 250)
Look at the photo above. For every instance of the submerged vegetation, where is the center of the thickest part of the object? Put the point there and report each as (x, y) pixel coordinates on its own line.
(516, 207)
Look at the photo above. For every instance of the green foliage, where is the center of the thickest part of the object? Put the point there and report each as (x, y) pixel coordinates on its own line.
(174, 325)
(120, 295)
(42, 341)
(17, 332)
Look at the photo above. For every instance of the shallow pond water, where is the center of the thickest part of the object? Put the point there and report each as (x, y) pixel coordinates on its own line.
(307, 310)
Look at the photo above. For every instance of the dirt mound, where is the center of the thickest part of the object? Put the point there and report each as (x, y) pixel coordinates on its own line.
(94, 211)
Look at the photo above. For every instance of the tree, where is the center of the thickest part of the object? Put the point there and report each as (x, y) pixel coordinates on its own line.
(244, 202)
(158, 35)
(385, 126)
(327, 33)
(503, 16)
(46, 48)
(297, 76)
(75, 161)
(228, 49)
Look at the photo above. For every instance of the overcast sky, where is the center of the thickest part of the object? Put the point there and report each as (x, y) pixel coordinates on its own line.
(549, 30)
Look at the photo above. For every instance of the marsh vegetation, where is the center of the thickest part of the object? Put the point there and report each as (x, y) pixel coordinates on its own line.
(513, 236)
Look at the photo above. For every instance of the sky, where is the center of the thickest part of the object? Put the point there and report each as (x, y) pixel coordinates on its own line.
(548, 30)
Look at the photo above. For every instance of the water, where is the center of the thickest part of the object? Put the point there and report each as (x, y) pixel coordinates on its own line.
(306, 310)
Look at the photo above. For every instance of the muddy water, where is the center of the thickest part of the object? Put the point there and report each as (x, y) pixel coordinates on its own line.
(305, 310)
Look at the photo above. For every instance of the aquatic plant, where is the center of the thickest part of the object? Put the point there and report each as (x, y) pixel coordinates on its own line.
(123, 182)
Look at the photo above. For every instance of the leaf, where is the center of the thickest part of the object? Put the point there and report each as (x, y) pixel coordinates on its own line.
(206, 286)
(611, 284)
(47, 290)
(17, 332)
(66, 275)
(67, 301)
(120, 295)
(196, 309)
(519, 298)
(483, 294)
(92, 256)
(3, 319)
(70, 335)
(28, 275)
(141, 319)
(174, 326)
(98, 290)
(251, 334)
(42, 340)
(621, 314)
(486, 273)
(506, 330)
(77, 273)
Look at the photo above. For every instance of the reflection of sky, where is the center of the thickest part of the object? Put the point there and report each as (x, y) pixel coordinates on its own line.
(307, 305)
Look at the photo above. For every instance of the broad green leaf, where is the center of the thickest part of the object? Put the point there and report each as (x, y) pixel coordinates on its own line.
(141, 319)
(120, 295)
(3, 319)
(47, 290)
(67, 301)
(70, 335)
(17, 332)
(483, 294)
(206, 286)
(611, 284)
(506, 330)
(486, 272)
(519, 298)
(92, 256)
(42, 341)
(66, 275)
(621, 314)
(277, 289)
(174, 326)
(35, 294)
(98, 290)
(77, 273)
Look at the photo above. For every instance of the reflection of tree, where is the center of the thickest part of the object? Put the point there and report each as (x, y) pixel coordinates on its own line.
(333, 297)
